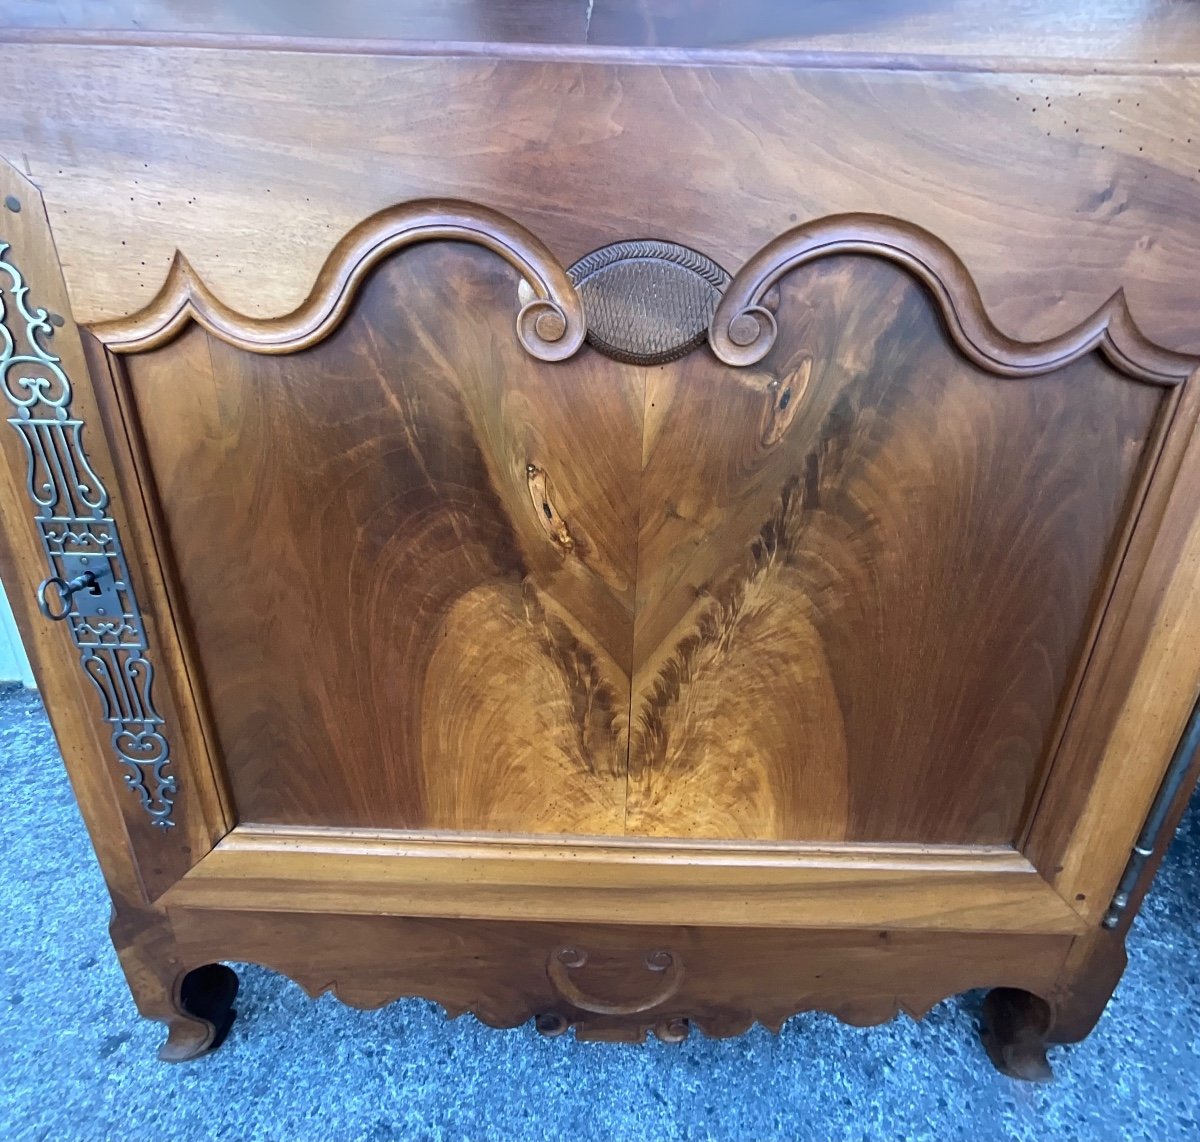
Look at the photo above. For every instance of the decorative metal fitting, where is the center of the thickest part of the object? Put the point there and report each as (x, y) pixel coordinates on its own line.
(92, 591)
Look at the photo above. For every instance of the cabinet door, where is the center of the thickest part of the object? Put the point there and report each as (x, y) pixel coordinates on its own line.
(458, 617)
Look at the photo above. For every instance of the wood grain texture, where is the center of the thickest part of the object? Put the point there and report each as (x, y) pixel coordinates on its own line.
(549, 323)
(282, 152)
(1132, 710)
(866, 573)
(890, 610)
(509, 878)
(1162, 32)
(368, 504)
(744, 328)
(732, 978)
(770, 506)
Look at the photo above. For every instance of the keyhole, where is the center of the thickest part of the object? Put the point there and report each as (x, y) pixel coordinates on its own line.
(547, 510)
(91, 585)
(785, 400)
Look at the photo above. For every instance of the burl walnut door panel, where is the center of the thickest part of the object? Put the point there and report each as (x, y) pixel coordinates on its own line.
(831, 578)
(407, 557)
(867, 571)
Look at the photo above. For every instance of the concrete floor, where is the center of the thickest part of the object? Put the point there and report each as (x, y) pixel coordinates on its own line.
(76, 1062)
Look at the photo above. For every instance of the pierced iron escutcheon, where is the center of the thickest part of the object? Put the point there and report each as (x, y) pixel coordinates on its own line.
(88, 587)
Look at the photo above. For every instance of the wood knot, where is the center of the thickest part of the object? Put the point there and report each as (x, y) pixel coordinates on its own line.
(548, 517)
(783, 401)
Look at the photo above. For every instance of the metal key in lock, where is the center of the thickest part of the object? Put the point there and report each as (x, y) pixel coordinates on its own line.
(85, 588)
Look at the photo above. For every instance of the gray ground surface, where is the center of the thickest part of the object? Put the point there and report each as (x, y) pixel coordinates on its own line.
(76, 1062)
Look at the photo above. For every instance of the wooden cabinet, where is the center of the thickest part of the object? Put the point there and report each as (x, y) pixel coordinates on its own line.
(622, 536)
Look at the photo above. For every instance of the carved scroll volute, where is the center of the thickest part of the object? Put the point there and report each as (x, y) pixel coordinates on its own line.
(549, 324)
(743, 328)
(666, 967)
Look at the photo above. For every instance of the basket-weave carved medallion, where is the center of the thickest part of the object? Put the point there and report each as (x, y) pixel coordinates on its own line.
(647, 302)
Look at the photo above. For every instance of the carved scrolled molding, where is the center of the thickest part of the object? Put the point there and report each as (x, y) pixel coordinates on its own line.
(665, 964)
(550, 325)
(743, 329)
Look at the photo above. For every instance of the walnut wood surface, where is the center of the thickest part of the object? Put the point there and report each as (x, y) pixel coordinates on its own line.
(1015, 1028)
(549, 323)
(729, 979)
(406, 574)
(138, 859)
(367, 505)
(744, 328)
(1136, 706)
(865, 569)
(834, 886)
(719, 158)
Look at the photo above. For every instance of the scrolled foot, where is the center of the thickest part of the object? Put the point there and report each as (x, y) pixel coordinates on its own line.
(206, 1013)
(673, 1030)
(1015, 1028)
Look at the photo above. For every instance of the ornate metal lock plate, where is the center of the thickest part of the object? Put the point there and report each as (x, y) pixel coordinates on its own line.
(93, 593)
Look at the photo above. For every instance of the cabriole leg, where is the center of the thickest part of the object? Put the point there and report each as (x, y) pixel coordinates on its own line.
(196, 1004)
(1015, 1029)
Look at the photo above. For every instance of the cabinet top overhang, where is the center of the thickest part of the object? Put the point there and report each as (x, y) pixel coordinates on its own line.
(1077, 35)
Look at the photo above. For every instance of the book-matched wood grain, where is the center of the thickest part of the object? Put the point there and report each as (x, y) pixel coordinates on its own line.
(842, 589)
(906, 559)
